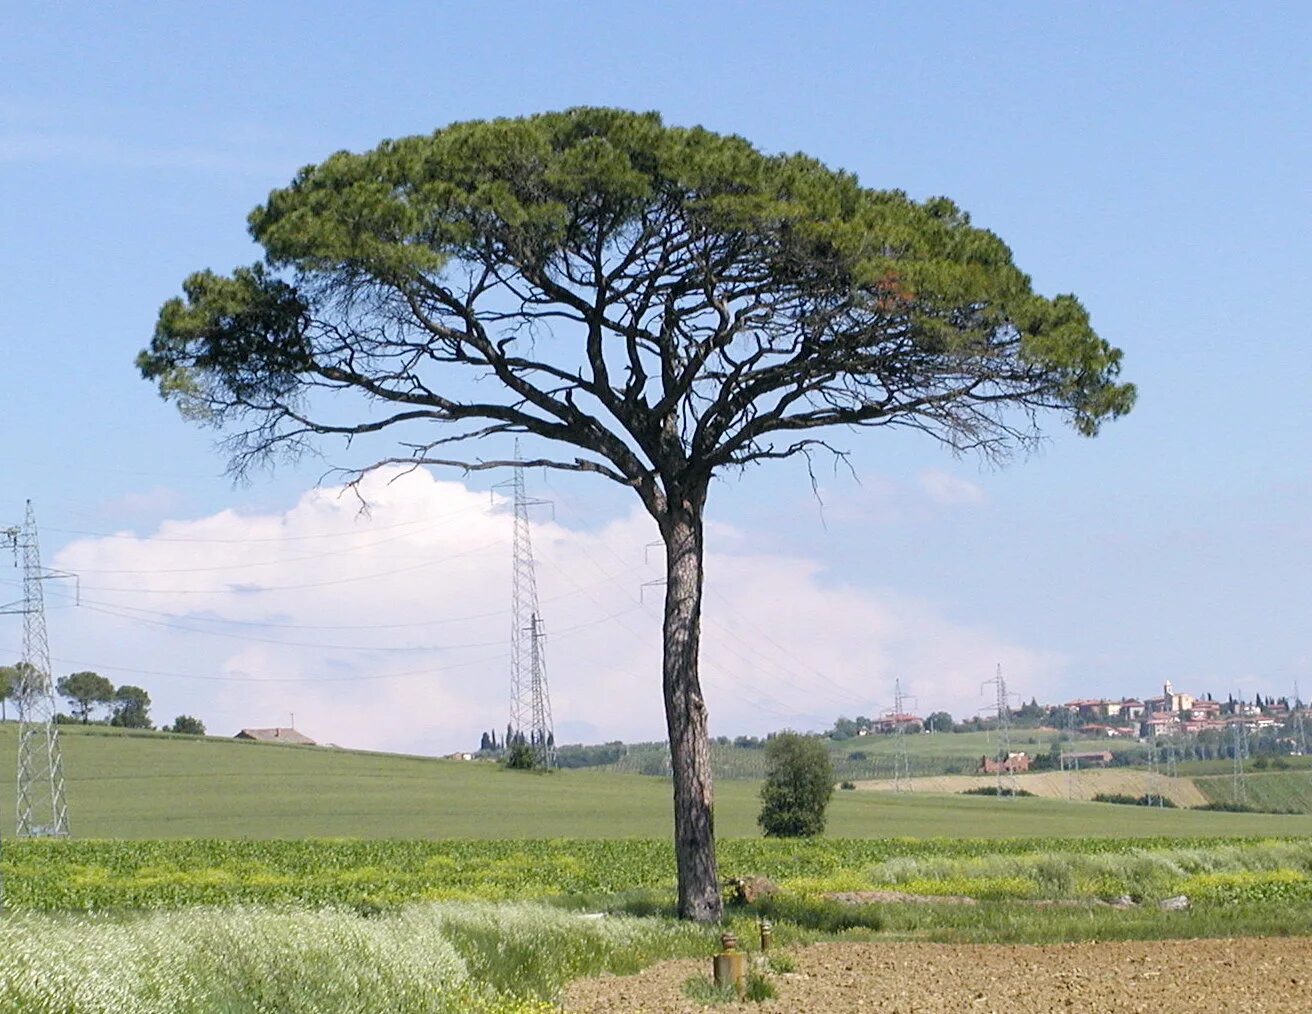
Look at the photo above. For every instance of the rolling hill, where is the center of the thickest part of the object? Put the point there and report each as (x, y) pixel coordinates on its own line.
(151, 785)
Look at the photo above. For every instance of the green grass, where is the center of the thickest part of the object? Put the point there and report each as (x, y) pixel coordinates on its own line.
(704, 990)
(158, 786)
(1264, 790)
(863, 757)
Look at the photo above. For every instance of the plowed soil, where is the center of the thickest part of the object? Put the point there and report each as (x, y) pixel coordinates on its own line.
(1246, 975)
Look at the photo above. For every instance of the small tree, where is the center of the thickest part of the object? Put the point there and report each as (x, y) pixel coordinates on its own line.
(8, 685)
(799, 779)
(84, 690)
(939, 721)
(131, 708)
(187, 724)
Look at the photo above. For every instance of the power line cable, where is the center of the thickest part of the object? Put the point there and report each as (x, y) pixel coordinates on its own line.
(257, 589)
(333, 647)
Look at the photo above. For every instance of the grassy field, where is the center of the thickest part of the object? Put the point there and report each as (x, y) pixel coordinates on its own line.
(331, 926)
(118, 875)
(864, 757)
(1061, 785)
(156, 786)
(1266, 790)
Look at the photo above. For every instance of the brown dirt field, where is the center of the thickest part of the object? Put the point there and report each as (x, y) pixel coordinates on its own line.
(1059, 785)
(1271, 975)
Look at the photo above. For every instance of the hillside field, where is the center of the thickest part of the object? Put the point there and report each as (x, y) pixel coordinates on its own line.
(867, 757)
(1064, 785)
(1267, 790)
(160, 786)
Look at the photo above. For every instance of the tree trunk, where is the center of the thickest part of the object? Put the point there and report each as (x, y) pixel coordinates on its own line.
(685, 714)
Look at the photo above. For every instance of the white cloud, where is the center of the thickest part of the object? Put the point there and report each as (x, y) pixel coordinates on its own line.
(390, 631)
(949, 490)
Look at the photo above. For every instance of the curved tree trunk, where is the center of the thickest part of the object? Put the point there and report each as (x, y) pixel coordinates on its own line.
(685, 715)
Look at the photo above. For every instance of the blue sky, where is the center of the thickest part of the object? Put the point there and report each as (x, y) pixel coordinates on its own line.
(1152, 158)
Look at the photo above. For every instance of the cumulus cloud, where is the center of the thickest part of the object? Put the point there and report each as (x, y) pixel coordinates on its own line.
(390, 631)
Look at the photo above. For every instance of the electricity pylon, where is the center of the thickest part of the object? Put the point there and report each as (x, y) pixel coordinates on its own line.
(42, 810)
(1070, 763)
(1006, 776)
(1238, 754)
(901, 758)
(530, 702)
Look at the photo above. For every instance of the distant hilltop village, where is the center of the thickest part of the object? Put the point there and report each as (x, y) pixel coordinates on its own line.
(1173, 713)
(1176, 712)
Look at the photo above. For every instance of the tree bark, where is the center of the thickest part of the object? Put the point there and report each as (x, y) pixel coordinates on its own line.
(685, 713)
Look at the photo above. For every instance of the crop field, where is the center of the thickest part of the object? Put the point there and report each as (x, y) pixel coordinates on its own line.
(1266, 790)
(157, 786)
(1061, 785)
(326, 926)
(208, 874)
(863, 757)
(106, 875)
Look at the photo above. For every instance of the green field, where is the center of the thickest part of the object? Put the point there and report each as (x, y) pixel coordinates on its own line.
(107, 875)
(1263, 790)
(160, 786)
(866, 757)
(327, 880)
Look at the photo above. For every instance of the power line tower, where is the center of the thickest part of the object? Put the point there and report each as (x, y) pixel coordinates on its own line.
(1300, 730)
(1152, 763)
(530, 703)
(901, 758)
(542, 737)
(1070, 763)
(1006, 776)
(42, 810)
(1238, 754)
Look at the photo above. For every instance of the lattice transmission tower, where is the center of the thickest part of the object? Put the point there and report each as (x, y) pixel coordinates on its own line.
(901, 757)
(530, 702)
(1238, 754)
(1300, 730)
(1006, 776)
(42, 809)
(1070, 762)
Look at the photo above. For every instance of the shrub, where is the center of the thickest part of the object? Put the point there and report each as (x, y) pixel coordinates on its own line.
(1231, 807)
(799, 781)
(521, 757)
(848, 785)
(1123, 799)
(992, 790)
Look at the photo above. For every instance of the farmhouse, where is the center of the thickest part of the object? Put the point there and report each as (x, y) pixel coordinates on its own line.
(276, 736)
(1091, 759)
(1109, 731)
(1014, 764)
(892, 723)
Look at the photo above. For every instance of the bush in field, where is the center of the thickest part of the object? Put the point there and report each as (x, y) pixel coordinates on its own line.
(1124, 799)
(799, 781)
(992, 790)
(520, 757)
